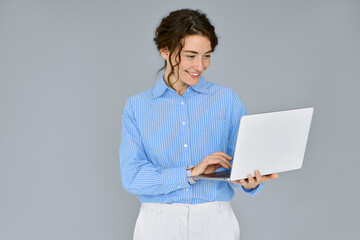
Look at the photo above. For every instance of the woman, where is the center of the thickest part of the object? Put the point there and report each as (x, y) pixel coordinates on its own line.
(182, 127)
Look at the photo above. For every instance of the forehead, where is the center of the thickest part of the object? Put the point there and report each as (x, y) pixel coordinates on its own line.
(197, 43)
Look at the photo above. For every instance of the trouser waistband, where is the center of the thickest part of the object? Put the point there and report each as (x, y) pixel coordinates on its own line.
(187, 209)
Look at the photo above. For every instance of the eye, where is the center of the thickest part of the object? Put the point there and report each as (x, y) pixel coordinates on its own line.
(190, 56)
(207, 56)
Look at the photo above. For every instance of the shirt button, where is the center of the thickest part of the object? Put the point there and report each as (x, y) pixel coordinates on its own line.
(179, 186)
(187, 189)
(183, 123)
(182, 103)
(185, 145)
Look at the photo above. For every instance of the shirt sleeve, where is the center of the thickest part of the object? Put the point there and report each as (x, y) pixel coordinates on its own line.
(237, 111)
(139, 176)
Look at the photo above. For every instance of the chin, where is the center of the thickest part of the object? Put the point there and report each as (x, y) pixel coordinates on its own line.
(193, 81)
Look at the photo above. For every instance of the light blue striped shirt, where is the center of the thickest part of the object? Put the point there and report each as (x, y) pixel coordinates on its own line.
(163, 133)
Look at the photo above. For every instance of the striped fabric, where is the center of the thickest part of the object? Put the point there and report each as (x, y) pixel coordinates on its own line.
(164, 133)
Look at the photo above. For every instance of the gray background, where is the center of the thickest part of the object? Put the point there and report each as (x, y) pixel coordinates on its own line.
(67, 67)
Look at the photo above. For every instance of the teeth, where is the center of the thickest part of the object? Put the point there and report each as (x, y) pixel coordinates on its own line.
(194, 74)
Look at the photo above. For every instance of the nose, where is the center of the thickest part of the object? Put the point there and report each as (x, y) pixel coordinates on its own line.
(199, 64)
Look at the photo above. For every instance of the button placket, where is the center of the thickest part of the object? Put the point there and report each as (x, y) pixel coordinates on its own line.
(185, 138)
(185, 132)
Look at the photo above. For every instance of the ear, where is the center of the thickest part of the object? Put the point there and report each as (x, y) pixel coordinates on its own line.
(165, 53)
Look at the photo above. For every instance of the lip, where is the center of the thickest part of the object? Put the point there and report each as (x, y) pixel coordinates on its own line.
(192, 76)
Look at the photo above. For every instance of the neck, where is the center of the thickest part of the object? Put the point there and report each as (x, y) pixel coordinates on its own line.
(175, 83)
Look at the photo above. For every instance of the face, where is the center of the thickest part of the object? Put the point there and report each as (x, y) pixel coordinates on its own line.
(195, 59)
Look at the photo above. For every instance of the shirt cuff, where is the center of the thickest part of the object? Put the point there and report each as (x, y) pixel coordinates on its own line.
(252, 191)
(175, 178)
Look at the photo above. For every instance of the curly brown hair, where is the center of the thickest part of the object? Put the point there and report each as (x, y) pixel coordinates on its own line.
(175, 27)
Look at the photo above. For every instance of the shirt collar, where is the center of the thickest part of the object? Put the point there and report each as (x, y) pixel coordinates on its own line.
(160, 87)
(200, 86)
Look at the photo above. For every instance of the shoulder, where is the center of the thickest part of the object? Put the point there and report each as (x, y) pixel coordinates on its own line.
(139, 97)
(222, 91)
(228, 95)
(137, 101)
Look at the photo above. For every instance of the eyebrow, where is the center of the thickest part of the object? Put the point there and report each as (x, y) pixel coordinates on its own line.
(194, 52)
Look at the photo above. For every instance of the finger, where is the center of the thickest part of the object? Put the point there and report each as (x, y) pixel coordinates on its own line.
(257, 176)
(270, 176)
(218, 155)
(223, 159)
(243, 182)
(216, 167)
(250, 179)
(227, 156)
(218, 161)
(274, 176)
(226, 161)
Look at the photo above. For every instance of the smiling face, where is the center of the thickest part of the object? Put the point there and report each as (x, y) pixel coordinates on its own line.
(195, 59)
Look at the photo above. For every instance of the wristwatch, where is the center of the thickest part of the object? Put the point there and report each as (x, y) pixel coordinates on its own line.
(189, 176)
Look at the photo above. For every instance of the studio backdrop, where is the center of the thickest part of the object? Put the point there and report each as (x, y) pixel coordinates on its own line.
(67, 68)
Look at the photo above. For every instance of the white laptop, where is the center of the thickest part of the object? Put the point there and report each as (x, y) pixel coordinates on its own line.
(269, 142)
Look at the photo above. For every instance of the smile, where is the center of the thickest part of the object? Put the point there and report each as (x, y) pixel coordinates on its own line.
(193, 74)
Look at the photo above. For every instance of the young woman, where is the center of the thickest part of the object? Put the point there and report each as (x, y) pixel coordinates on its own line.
(182, 127)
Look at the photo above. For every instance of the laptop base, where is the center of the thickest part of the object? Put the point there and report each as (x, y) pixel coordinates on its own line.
(218, 176)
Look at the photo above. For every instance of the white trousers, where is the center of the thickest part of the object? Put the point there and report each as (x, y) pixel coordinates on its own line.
(213, 220)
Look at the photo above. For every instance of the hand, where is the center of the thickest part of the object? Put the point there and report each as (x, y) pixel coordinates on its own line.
(211, 163)
(252, 182)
